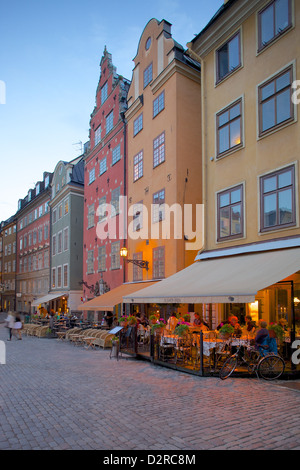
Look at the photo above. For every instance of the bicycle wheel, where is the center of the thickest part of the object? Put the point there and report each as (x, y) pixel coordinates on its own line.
(270, 367)
(228, 367)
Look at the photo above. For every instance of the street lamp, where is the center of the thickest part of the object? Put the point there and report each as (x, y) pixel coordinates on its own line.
(137, 262)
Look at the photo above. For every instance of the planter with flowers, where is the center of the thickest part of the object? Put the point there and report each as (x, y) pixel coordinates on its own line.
(181, 329)
(156, 328)
(276, 331)
(226, 331)
(132, 320)
(123, 321)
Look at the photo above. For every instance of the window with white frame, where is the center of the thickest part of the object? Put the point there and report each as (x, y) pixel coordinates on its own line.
(101, 258)
(91, 215)
(158, 104)
(59, 279)
(115, 255)
(102, 210)
(115, 200)
(138, 124)
(148, 75)
(159, 150)
(138, 166)
(53, 277)
(158, 256)
(91, 175)
(109, 122)
(66, 275)
(90, 262)
(104, 93)
(66, 238)
(102, 166)
(158, 208)
(97, 135)
(116, 154)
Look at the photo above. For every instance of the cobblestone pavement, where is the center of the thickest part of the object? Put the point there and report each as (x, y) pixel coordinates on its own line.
(54, 395)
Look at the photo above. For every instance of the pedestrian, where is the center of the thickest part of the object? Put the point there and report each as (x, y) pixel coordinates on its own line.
(18, 327)
(10, 322)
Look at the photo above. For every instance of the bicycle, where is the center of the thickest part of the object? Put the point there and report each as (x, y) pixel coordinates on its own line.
(268, 367)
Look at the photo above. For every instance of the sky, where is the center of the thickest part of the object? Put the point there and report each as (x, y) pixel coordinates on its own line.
(50, 51)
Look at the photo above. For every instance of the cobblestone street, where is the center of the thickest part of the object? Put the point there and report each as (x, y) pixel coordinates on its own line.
(56, 396)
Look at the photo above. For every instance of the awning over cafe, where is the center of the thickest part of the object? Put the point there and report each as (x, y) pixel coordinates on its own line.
(47, 298)
(107, 301)
(231, 279)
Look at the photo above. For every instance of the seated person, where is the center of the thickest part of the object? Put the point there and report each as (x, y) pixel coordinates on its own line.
(250, 324)
(172, 322)
(263, 343)
(199, 322)
(233, 321)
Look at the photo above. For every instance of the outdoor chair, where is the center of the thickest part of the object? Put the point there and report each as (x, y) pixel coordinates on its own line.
(41, 331)
(72, 331)
(87, 340)
(78, 339)
(103, 340)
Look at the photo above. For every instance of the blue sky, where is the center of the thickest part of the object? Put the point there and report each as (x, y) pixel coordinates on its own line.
(49, 62)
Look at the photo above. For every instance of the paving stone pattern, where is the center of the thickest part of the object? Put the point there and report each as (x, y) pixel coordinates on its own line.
(54, 395)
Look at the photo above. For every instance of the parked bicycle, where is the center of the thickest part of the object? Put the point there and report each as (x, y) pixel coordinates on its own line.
(269, 367)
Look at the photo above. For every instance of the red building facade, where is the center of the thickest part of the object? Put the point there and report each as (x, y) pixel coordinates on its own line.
(104, 184)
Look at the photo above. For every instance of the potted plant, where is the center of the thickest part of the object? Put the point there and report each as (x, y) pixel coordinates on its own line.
(123, 320)
(153, 319)
(181, 329)
(276, 331)
(226, 331)
(157, 327)
(132, 320)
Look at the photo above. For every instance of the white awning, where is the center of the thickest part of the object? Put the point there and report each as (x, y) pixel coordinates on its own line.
(234, 279)
(47, 298)
(107, 301)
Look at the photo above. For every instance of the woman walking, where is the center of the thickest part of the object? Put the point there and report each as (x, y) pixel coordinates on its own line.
(18, 327)
(10, 323)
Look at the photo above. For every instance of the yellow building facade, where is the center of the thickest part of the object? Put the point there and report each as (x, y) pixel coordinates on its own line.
(164, 170)
(250, 63)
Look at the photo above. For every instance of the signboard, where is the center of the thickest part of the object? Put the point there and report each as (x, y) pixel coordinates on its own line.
(116, 330)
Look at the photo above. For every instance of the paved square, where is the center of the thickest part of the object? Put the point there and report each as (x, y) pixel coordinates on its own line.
(54, 395)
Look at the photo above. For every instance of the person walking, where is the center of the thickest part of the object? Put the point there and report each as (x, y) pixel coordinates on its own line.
(18, 327)
(10, 322)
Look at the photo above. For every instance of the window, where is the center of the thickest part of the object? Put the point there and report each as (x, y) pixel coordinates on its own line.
(230, 213)
(101, 258)
(66, 206)
(148, 75)
(137, 271)
(102, 209)
(103, 167)
(60, 211)
(90, 262)
(66, 238)
(275, 102)
(53, 276)
(66, 275)
(138, 216)
(91, 215)
(229, 128)
(159, 150)
(138, 124)
(54, 213)
(59, 276)
(158, 209)
(278, 199)
(116, 154)
(115, 255)
(59, 242)
(46, 232)
(104, 93)
(228, 57)
(97, 135)
(138, 166)
(115, 201)
(92, 175)
(109, 121)
(159, 104)
(273, 20)
(158, 262)
(54, 245)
